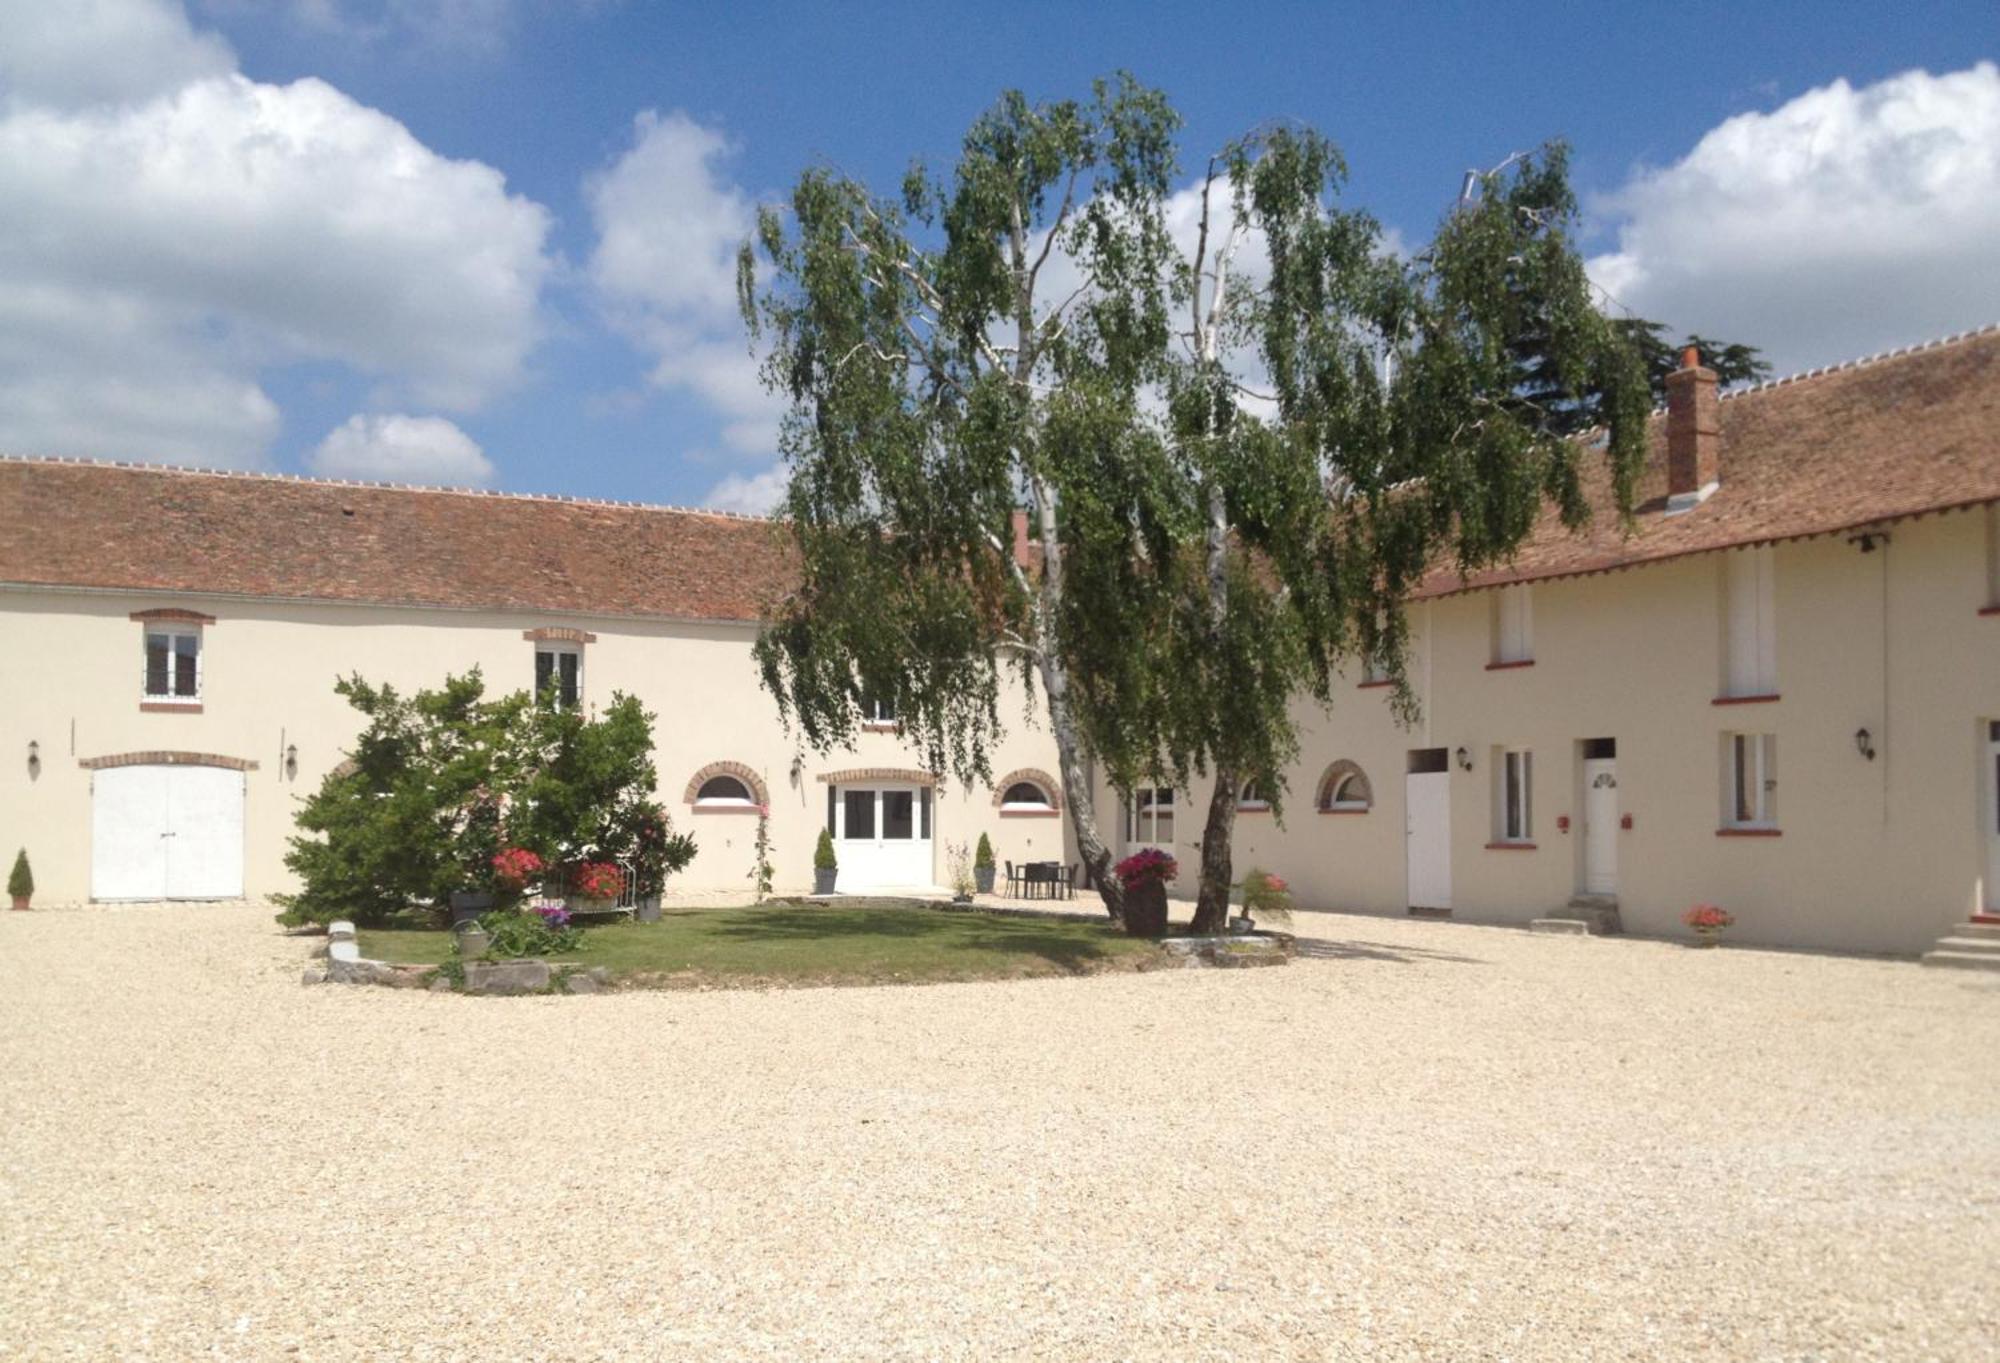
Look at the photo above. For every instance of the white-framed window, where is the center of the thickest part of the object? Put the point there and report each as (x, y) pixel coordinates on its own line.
(1025, 797)
(1514, 798)
(1513, 625)
(1252, 798)
(724, 792)
(1749, 623)
(173, 664)
(1344, 789)
(559, 675)
(1993, 557)
(1374, 671)
(1749, 780)
(878, 712)
(1149, 817)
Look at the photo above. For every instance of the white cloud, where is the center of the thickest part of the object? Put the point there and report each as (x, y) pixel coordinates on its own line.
(402, 449)
(756, 495)
(171, 247)
(669, 223)
(89, 51)
(1841, 223)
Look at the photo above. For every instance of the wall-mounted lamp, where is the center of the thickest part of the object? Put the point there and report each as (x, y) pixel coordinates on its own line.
(1864, 743)
(798, 767)
(34, 759)
(292, 762)
(1464, 759)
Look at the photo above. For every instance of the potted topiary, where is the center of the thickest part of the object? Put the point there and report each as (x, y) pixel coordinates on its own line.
(1266, 894)
(21, 881)
(825, 866)
(982, 865)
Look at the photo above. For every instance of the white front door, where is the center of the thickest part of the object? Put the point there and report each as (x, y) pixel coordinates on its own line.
(882, 837)
(1427, 802)
(166, 832)
(1600, 825)
(1993, 816)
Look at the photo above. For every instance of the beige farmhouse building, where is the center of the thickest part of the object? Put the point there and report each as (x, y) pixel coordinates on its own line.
(1779, 691)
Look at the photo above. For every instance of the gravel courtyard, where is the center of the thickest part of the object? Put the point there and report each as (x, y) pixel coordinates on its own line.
(1428, 1140)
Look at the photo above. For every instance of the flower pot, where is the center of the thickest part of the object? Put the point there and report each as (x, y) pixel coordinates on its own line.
(467, 905)
(823, 879)
(1707, 937)
(1243, 925)
(648, 909)
(982, 878)
(1146, 909)
(21, 903)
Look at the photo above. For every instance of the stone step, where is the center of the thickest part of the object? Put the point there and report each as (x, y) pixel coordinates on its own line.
(1572, 927)
(1961, 960)
(1971, 946)
(1975, 928)
(1593, 901)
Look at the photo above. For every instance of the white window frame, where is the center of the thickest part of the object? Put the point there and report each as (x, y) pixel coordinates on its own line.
(747, 801)
(1337, 799)
(1043, 804)
(1513, 773)
(171, 630)
(558, 650)
(1251, 800)
(1751, 758)
(1513, 625)
(1142, 817)
(1749, 623)
(878, 712)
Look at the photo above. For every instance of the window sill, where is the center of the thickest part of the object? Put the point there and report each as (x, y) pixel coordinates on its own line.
(1749, 833)
(1029, 813)
(1373, 685)
(1746, 700)
(1510, 846)
(1343, 811)
(170, 707)
(1253, 809)
(700, 808)
(880, 726)
(1509, 667)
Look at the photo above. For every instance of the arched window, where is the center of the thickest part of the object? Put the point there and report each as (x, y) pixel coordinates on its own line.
(1345, 790)
(1251, 799)
(1025, 795)
(1029, 791)
(722, 790)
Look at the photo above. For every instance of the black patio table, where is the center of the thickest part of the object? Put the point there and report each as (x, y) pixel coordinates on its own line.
(1045, 876)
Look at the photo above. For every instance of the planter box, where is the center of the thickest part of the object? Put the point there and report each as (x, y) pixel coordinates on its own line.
(982, 876)
(823, 880)
(1146, 909)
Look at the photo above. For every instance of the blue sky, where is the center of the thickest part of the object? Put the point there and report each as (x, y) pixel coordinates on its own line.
(242, 270)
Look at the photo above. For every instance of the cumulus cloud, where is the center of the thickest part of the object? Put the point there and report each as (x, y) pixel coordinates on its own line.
(158, 252)
(755, 495)
(669, 222)
(1844, 222)
(402, 449)
(90, 51)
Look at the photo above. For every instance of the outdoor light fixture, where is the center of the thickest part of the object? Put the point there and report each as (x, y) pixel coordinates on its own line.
(292, 762)
(1464, 760)
(34, 759)
(1864, 743)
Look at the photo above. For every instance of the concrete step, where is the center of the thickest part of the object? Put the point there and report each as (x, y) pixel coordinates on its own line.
(1962, 960)
(1572, 927)
(1977, 929)
(1593, 901)
(1971, 946)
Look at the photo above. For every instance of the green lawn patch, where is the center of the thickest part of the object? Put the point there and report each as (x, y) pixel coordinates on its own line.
(798, 944)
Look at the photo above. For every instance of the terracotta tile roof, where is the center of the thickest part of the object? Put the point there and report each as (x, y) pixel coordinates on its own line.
(1880, 439)
(79, 524)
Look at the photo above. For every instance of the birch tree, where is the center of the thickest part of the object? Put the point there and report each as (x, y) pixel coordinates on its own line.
(1235, 475)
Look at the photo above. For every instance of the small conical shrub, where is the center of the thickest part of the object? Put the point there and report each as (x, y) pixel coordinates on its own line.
(21, 881)
(823, 858)
(983, 858)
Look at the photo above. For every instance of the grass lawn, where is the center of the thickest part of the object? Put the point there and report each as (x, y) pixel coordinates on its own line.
(794, 944)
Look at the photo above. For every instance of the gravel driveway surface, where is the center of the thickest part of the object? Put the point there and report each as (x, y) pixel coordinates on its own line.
(1427, 1141)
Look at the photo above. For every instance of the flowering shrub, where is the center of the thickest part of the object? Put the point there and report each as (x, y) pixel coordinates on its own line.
(540, 933)
(1146, 865)
(598, 880)
(515, 867)
(1708, 917)
(555, 915)
(1267, 894)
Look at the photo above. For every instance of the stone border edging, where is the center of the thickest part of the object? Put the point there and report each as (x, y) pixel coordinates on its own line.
(528, 975)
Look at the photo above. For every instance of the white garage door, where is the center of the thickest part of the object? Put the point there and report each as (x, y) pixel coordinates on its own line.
(166, 833)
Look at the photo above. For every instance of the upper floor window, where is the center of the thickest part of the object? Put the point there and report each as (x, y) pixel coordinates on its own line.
(559, 675)
(1514, 809)
(1750, 780)
(1513, 626)
(1750, 624)
(173, 663)
(878, 711)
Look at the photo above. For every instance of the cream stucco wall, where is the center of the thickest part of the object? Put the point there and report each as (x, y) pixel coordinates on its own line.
(1872, 856)
(269, 670)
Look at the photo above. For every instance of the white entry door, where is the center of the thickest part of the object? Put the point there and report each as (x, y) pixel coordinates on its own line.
(882, 836)
(1427, 804)
(165, 832)
(1600, 825)
(1993, 816)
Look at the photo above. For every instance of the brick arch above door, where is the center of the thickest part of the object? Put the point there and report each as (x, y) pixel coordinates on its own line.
(166, 758)
(856, 775)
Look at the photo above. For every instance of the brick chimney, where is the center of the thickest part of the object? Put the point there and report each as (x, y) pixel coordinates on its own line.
(1021, 552)
(1694, 434)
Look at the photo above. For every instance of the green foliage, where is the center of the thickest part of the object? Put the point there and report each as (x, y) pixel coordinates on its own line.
(761, 869)
(982, 859)
(1266, 894)
(441, 781)
(823, 858)
(1732, 362)
(20, 880)
(514, 932)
